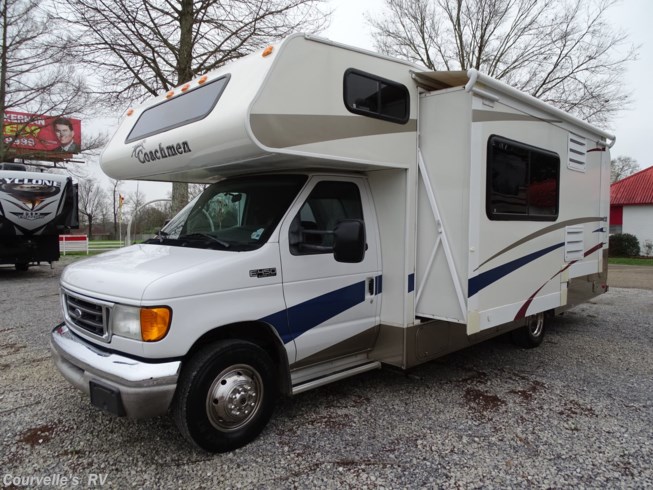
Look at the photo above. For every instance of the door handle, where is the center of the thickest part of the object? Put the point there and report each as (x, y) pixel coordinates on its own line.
(370, 286)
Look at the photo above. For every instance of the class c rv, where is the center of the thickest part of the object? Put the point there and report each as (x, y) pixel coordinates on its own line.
(363, 212)
(35, 208)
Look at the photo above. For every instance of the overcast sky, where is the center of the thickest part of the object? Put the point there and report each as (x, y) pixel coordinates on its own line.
(632, 128)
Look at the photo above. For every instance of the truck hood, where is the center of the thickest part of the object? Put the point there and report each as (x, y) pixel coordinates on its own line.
(150, 273)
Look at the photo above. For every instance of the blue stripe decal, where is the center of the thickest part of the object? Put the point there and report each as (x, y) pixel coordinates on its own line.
(311, 313)
(378, 284)
(600, 230)
(486, 278)
(411, 283)
(279, 321)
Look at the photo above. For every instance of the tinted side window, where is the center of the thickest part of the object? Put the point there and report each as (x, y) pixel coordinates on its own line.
(328, 204)
(373, 96)
(522, 181)
(178, 111)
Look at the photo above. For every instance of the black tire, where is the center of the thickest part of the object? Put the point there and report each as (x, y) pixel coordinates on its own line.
(532, 334)
(228, 370)
(22, 267)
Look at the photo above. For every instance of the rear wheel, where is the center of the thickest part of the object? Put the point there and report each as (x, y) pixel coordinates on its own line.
(226, 395)
(532, 334)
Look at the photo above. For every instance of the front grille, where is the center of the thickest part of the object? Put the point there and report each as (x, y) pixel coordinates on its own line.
(86, 315)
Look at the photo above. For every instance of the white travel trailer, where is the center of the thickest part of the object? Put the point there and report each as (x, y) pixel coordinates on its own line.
(364, 212)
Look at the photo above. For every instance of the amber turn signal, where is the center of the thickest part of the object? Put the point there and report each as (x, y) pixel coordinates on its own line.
(155, 323)
(267, 51)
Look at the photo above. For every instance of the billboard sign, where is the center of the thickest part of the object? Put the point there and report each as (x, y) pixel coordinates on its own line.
(31, 133)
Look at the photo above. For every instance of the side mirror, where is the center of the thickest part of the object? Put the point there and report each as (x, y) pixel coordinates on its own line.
(349, 241)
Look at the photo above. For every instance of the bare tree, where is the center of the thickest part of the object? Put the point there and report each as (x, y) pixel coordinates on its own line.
(621, 167)
(92, 200)
(135, 200)
(140, 48)
(560, 51)
(195, 190)
(34, 76)
(116, 204)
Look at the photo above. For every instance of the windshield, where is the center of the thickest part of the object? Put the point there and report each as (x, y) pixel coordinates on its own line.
(234, 214)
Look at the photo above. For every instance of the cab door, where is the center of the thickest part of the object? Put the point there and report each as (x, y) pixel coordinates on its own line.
(333, 307)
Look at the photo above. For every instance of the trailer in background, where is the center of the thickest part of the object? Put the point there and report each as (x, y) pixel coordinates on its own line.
(35, 208)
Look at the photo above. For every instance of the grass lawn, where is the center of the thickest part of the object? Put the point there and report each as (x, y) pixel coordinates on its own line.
(630, 261)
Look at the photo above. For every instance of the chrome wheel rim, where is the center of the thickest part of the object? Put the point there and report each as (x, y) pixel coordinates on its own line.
(234, 397)
(536, 324)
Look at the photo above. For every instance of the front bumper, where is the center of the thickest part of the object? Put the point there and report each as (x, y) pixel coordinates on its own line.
(116, 383)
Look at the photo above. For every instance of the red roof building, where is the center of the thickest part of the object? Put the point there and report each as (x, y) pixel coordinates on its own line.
(631, 206)
(636, 189)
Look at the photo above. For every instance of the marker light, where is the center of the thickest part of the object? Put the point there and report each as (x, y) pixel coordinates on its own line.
(155, 323)
(170, 94)
(130, 112)
(203, 79)
(267, 51)
(185, 87)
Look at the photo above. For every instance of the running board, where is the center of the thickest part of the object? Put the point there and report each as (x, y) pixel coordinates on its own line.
(309, 385)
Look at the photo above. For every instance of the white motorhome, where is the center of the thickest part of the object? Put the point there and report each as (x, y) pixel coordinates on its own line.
(363, 212)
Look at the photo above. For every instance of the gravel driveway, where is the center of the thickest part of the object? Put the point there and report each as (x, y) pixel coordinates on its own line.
(576, 412)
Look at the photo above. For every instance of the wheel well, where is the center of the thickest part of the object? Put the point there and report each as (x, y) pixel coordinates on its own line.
(258, 333)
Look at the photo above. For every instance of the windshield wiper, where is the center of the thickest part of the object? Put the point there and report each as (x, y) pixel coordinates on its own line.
(204, 235)
(161, 235)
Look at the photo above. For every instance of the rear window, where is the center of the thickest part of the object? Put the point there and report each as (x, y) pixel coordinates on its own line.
(179, 111)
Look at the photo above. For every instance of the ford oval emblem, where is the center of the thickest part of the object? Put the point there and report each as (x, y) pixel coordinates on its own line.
(77, 313)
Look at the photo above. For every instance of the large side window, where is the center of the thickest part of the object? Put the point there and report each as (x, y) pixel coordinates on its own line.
(523, 182)
(311, 231)
(372, 96)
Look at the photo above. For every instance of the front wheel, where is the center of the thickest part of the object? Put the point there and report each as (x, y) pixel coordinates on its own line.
(532, 334)
(225, 396)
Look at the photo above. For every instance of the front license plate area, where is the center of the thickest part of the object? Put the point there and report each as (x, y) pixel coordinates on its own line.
(106, 398)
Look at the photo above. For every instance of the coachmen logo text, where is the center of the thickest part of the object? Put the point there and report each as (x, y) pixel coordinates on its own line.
(144, 155)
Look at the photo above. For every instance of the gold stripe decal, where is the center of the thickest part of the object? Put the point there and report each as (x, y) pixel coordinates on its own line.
(541, 232)
(288, 130)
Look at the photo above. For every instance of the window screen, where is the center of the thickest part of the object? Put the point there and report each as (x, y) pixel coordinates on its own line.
(522, 181)
(178, 111)
(372, 96)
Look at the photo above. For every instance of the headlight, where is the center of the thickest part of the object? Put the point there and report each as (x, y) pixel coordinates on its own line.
(148, 324)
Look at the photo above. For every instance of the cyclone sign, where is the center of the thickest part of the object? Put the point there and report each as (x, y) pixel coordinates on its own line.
(29, 202)
(31, 192)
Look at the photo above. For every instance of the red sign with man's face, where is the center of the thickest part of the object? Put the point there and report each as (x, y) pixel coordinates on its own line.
(22, 131)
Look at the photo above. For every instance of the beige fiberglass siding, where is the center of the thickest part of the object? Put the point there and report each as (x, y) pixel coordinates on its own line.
(300, 109)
